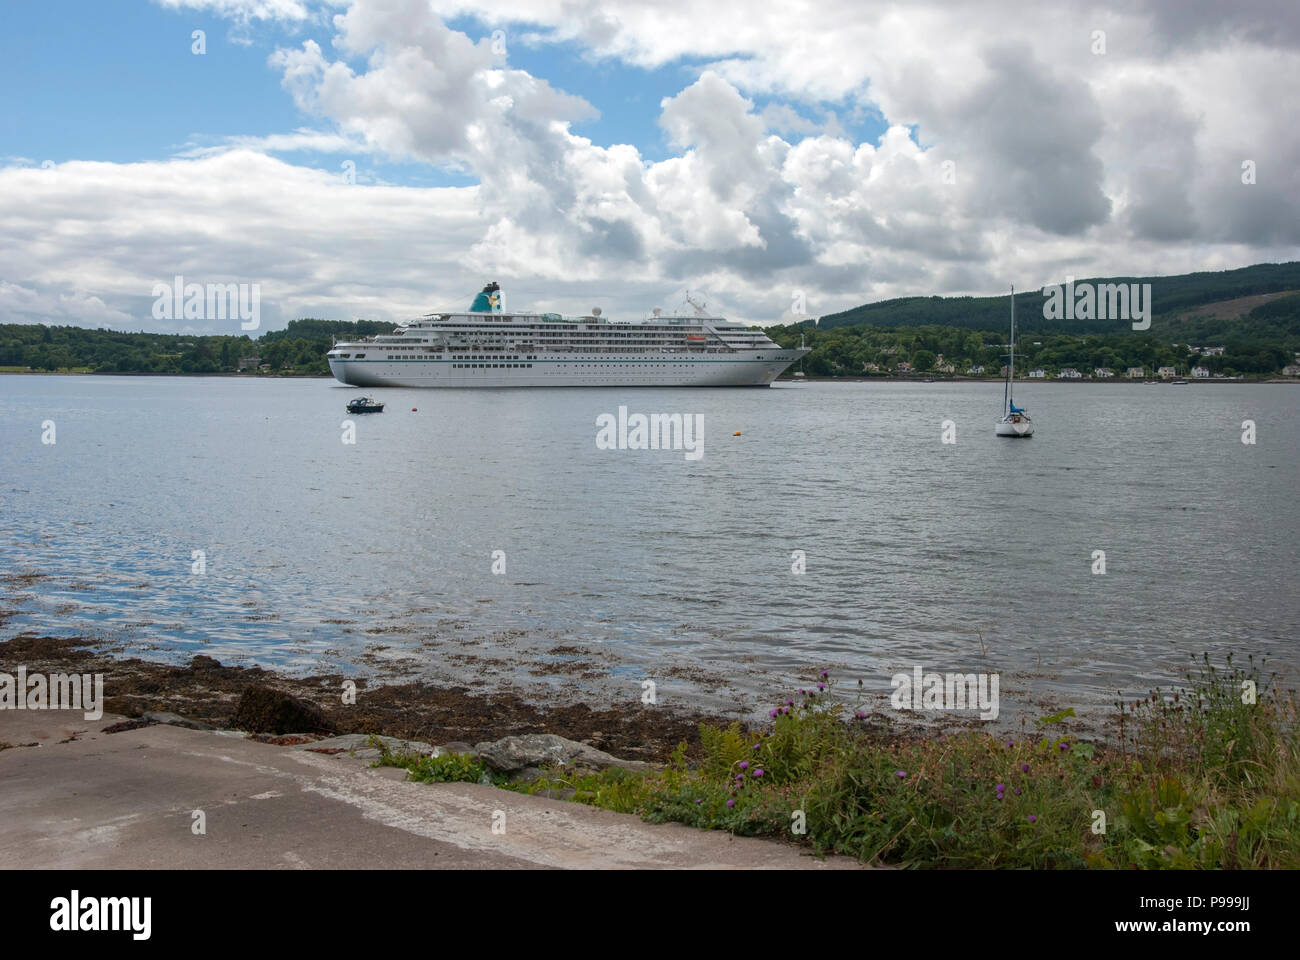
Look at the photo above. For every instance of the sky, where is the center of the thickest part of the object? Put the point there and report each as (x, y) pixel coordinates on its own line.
(382, 159)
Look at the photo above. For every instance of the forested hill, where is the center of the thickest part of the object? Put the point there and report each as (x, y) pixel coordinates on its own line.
(1253, 336)
(298, 349)
(1170, 297)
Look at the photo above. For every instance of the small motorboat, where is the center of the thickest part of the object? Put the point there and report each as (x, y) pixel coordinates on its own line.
(365, 405)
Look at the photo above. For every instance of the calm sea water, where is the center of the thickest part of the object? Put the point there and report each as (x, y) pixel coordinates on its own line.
(377, 555)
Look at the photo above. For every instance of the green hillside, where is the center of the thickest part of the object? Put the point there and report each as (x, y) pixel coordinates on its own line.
(1259, 334)
(1171, 297)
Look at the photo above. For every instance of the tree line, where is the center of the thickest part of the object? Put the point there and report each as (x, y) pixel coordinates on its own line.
(298, 350)
(878, 351)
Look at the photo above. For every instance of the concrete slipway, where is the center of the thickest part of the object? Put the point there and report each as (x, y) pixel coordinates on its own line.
(82, 799)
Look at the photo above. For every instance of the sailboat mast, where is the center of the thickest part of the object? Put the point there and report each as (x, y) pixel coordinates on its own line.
(1011, 368)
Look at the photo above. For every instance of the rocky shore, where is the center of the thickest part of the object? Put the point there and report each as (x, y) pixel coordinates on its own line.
(208, 694)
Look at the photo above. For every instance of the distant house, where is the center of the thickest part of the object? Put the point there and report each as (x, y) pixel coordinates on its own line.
(1293, 370)
(1102, 373)
(1210, 351)
(247, 362)
(1200, 372)
(1167, 373)
(871, 367)
(904, 366)
(944, 368)
(1037, 374)
(1136, 373)
(1069, 373)
(975, 371)
(1003, 371)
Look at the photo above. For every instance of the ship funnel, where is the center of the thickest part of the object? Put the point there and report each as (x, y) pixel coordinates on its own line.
(488, 300)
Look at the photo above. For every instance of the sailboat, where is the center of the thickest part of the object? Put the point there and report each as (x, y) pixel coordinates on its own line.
(1015, 422)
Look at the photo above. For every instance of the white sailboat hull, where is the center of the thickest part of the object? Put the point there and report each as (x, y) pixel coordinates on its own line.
(1008, 428)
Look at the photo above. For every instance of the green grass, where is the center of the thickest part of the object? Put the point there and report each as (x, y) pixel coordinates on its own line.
(448, 768)
(1198, 778)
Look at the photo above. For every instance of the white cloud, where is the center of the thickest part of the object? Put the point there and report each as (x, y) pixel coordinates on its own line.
(1060, 160)
(302, 139)
(247, 10)
(316, 245)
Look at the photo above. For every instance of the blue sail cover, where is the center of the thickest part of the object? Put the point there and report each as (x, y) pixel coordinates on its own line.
(1015, 409)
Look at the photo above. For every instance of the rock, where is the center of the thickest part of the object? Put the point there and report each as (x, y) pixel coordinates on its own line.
(552, 794)
(263, 710)
(123, 726)
(361, 743)
(174, 719)
(202, 662)
(512, 754)
(454, 747)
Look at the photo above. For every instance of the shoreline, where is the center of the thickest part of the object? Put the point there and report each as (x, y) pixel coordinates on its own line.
(207, 692)
(784, 378)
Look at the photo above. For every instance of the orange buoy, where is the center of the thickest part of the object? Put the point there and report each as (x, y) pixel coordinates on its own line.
(736, 434)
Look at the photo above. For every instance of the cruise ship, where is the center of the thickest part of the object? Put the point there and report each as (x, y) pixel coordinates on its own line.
(487, 346)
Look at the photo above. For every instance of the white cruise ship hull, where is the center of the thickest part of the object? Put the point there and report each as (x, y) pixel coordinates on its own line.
(489, 347)
(757, 369)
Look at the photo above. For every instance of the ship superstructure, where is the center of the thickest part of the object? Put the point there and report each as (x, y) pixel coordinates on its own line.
(487, 346)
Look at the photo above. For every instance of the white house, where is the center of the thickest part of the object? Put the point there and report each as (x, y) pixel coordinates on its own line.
(1038, 374)
(1069, 373)
(1136, 373)
(1293, 370)
(1166, 373)
(1210, 351)
(1200, 373)
(975, 371)
(1101, 373)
